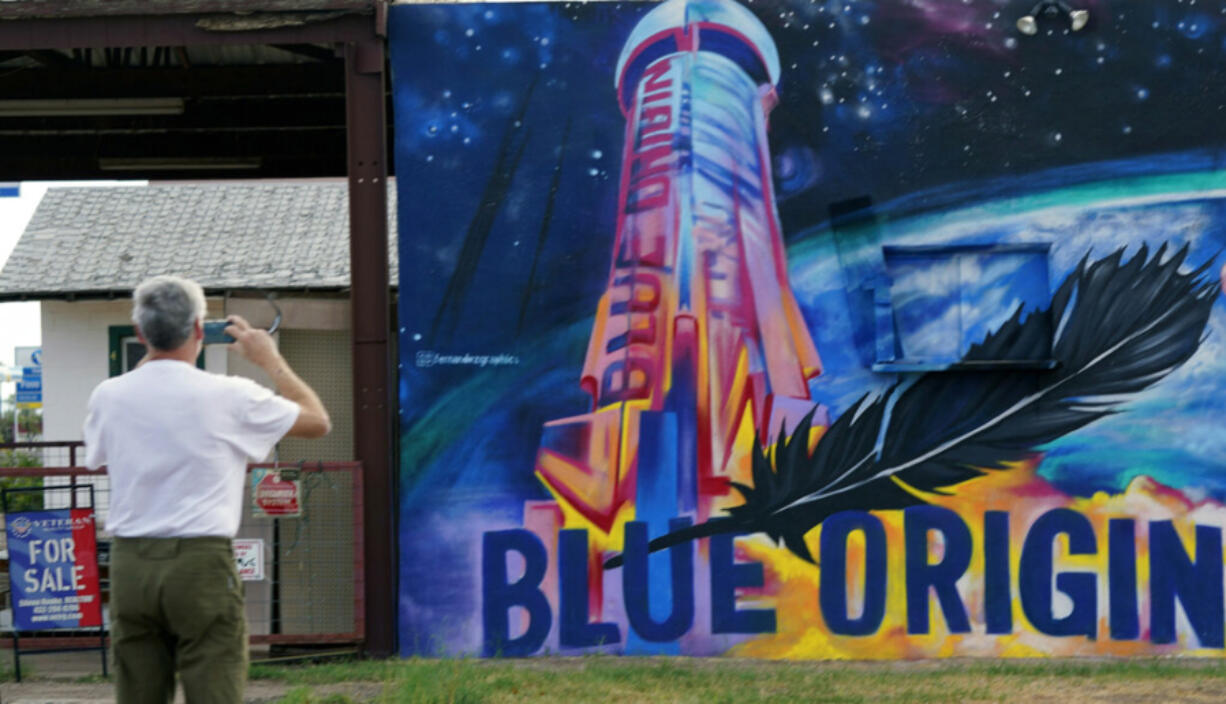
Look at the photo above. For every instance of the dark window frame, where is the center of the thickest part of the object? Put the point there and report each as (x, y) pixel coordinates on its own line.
(116, 334)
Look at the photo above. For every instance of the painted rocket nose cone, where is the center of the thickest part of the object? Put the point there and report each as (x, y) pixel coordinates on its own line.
(726, 14)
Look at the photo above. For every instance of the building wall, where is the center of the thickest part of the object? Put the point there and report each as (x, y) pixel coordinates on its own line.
(75, 348)
(316, 551)
(75, 358)
(315, 340)
(902, 331)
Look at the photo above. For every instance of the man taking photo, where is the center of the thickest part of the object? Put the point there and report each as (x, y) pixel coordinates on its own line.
(176, 442)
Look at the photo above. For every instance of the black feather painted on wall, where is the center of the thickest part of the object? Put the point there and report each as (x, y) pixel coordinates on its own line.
(1120, 327)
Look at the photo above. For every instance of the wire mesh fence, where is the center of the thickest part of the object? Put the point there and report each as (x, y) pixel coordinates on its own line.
(299, 547)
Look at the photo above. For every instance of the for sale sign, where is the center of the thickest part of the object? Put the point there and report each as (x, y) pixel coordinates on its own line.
(53, 569)
(274, 495)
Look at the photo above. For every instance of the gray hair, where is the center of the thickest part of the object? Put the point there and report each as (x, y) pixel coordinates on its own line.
(166, 308)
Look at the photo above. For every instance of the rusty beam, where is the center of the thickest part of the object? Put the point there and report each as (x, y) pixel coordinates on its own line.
(310, 51)
(168, 30)
(53, 9)
(366, 122)
(267, 82)
(51, 58)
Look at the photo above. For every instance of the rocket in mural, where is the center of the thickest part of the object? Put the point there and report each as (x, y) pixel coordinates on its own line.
(698, 346)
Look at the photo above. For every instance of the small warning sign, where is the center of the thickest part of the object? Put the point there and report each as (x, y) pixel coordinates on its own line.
(249, 559)
(275, 496)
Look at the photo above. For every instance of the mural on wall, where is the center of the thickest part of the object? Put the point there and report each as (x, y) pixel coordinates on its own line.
(810, 329)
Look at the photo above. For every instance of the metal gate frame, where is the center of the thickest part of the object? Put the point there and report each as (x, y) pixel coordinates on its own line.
(356, 636)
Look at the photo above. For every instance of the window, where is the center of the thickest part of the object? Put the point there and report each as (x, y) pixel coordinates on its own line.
(938, 301)
(126, 349)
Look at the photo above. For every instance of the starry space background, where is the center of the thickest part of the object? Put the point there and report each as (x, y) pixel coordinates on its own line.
(885, 99)
(936, 119)
(509, 138)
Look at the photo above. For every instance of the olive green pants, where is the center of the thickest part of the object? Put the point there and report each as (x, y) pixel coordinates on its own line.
(177, 604)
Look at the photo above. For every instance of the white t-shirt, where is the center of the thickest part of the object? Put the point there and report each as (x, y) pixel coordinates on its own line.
(176, 441)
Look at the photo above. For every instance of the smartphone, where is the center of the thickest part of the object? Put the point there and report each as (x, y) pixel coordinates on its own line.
(215, 332)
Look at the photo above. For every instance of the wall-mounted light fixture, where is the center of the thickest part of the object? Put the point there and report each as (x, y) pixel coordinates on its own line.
(1029, 23)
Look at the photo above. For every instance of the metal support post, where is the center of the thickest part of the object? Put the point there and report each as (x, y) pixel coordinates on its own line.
(371, 325)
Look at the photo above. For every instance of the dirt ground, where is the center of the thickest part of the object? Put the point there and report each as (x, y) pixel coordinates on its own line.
(57, 678)
(45, 692)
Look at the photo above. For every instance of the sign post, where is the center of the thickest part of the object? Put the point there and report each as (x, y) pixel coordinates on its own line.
(53, 571)
(30, 387)
(276, 493)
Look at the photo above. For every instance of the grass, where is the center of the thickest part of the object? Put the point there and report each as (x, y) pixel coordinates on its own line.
(343, 671)
(717, 680)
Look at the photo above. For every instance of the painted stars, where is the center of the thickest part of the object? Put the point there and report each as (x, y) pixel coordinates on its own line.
(445, 123)
(597, 170)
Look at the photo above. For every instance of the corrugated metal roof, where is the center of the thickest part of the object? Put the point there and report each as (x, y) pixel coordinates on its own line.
(225, 236)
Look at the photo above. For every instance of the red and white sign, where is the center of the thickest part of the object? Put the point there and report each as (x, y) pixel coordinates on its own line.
(273, 496)
(53, 569)
(249, 558)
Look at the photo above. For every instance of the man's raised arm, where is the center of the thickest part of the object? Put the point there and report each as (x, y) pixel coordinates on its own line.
(258, 347)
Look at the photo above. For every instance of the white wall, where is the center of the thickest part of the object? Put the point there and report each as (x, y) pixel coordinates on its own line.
(74, 360)
(296, 314)
(76, 345)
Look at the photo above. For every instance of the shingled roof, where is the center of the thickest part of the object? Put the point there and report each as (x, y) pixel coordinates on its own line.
(99, 241)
